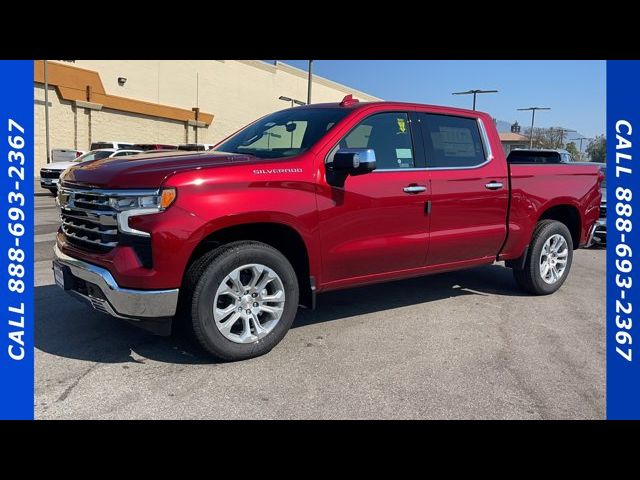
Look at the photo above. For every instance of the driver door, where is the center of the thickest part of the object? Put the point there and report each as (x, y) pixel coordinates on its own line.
(378, 223)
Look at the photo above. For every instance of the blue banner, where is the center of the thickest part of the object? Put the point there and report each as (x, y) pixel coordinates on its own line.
(623, 247)
(16, 239)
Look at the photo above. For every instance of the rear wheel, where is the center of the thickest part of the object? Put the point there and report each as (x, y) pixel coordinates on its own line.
(244, 298)
(548, 260)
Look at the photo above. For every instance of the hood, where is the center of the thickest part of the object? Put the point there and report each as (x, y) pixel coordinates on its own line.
(146, 170)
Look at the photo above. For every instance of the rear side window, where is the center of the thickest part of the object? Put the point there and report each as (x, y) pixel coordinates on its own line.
(451, 142)
(389, 136)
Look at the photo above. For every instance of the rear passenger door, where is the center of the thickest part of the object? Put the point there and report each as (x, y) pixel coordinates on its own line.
(469, 190)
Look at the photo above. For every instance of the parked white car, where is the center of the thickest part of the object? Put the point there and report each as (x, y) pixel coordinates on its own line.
(50, 175)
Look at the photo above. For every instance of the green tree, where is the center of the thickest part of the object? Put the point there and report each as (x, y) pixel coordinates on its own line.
(597, 149)
(573, 150)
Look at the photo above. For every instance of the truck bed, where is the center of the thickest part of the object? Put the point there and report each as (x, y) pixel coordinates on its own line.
(534, 189)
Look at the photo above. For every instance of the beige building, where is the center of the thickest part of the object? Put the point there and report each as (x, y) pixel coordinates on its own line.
(153, 101)
(511, 141)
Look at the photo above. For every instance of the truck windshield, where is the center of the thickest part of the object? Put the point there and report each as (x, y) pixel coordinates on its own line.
(285, 133)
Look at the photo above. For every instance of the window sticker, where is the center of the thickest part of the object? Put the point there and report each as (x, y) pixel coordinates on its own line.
(402, 153)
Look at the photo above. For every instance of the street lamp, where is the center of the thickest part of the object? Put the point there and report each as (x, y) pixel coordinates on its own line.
(292, 100)
(533, 117)
(474, 93)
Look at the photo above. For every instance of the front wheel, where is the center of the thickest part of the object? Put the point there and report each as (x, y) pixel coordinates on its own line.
(244, 298)
(548, 260)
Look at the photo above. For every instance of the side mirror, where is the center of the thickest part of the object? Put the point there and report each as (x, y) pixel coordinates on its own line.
(353, 161)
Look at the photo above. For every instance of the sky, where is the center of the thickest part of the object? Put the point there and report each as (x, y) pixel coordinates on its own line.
(575, 90)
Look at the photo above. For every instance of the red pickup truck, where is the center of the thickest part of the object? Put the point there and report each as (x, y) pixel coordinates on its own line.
(307, 200)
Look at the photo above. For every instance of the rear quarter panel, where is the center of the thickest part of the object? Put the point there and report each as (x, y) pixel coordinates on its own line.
(537, 188)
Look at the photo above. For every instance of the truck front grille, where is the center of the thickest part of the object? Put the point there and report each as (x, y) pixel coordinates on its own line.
(88, 221)
(50, 173)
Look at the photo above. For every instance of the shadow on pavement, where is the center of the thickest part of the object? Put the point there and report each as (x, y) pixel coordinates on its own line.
(65, 327)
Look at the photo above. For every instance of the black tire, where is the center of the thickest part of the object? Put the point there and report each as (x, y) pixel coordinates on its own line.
(53, 191)
(529, 278)
(202, 281)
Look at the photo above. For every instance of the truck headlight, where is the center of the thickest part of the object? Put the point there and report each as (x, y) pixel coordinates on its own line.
(158, 201)
(140, 203)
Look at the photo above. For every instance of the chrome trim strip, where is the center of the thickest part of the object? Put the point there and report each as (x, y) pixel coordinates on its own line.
(87, 240)
(590, 239)
(488, 155)
(111, 193)
(380, 170)
(100, 219)
(123, 220)
(123, 301)
(68, 223)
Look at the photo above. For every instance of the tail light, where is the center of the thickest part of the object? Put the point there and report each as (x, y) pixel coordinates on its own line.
(78, 154)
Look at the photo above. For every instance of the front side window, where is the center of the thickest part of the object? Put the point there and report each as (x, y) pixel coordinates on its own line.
(451, 142)
(389, 136)
(284, 134)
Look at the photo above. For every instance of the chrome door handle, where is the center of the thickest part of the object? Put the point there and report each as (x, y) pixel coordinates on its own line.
(494, 185)
(414, 189)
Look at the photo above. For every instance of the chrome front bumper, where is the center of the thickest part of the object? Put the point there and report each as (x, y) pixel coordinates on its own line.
(119, 302)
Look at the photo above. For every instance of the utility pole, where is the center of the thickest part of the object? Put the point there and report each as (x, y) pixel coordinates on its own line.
(474, 93)
(562, 132)
(533, 119)
(581, 139)
(310, 80)
(46, 112)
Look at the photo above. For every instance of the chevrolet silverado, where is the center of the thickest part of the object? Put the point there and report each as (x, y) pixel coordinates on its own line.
(307, 200)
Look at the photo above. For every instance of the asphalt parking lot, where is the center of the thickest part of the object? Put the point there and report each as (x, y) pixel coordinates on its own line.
(463, 345)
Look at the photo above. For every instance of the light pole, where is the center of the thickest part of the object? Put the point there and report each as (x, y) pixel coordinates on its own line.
(474, 93)
(292, 100)
(309, 82)
(46, 112)
(533, 118)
